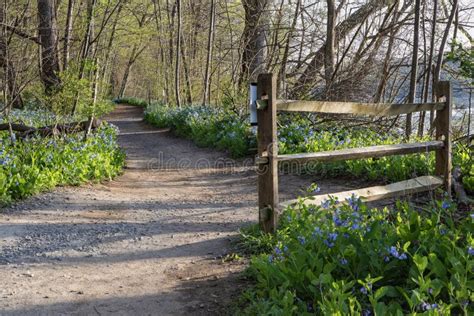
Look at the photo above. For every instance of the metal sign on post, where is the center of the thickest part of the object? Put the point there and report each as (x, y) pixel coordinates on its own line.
(253, 106)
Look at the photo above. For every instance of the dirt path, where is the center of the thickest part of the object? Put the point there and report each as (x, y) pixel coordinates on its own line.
(148, 243)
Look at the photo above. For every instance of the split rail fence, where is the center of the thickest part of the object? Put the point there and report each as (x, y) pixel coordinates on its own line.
(268, 158)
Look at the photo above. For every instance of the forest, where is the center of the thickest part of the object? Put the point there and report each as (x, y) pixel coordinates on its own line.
(134, 135)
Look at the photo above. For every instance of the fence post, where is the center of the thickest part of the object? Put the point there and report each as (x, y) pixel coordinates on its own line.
(267, 151)
(443, 132)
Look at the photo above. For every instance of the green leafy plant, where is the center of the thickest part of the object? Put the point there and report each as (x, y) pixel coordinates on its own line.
(224, 129)
(348, 259)
(36, 164)
(208, 127)
(132, 101)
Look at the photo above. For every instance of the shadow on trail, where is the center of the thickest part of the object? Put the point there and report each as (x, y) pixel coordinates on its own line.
(88, 241)
(195, 295)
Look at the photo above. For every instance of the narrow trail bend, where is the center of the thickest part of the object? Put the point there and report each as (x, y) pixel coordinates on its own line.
(147, 243)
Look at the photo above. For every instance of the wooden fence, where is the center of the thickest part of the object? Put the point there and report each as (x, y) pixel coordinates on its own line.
(268, 157)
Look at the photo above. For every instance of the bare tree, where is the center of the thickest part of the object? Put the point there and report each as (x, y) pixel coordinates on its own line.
(48, 38)
(68, 33)
(10, 76)
(210, 43)
(178, 51)
(414, 66)
(341, 31)
(329, 47)
(254, 39)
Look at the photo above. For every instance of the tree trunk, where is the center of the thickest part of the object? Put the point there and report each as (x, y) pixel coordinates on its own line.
(163, 57)
(68, 33)
(329, 47)
(428, 66)
(254, 39)
(210, 43)
(286, 52)
(439, 63)
(86, 43)
(178, 51)
(187, 78)
(388, 55)
(48, 38)
(11, 87)
(133, 57)
(108, 50)
(414, 66)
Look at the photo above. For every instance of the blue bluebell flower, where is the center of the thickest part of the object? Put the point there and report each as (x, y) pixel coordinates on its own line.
(317, 232)
(403, 256)
(427, 306)
(301, 240)
(445, 205)
(394, 252)
(325, 204)
(470, 251)
(328, 243)
(363, 290)
(338, 221)
(343, 261)
(366, 312)
(353, 202)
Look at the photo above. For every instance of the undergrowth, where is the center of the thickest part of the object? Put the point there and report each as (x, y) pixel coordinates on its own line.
(226, 130)
(34, 164)
(132, 101)
(348, 259)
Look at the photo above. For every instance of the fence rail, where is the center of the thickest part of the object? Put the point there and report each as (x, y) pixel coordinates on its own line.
(373, 109)
(268, 157)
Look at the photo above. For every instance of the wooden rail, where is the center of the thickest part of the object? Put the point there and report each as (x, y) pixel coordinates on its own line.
(364, 152)
(373, 109)
(268, 158)
(412, 186)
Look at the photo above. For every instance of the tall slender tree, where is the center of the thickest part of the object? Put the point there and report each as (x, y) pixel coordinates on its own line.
(178, 51)
(47, 30)
(210, 43)
(414, 66)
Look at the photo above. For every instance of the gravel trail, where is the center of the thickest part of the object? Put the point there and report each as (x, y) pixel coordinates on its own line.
(150, 242)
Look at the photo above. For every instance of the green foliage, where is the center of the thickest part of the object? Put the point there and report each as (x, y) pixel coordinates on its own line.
(224, 129)
(464, 158)
(206, 126)
(297, 136)
(132, 101)
(72, 90)
(465, 58)
(37, 164)
(337, 259)
(254, 241)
